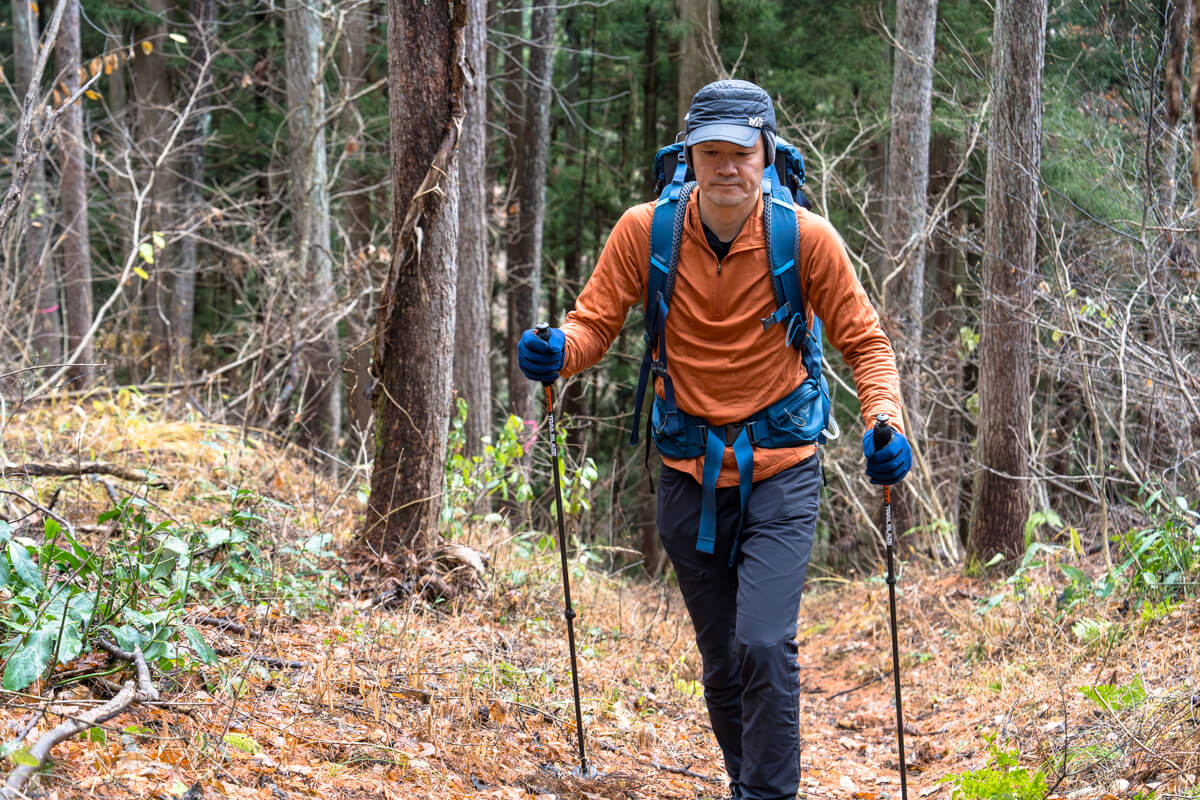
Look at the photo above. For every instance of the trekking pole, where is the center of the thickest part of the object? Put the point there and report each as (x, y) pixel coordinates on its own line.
(881, 435)
(543, 332)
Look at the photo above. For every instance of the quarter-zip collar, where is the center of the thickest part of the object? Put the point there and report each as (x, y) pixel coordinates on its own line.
(750, 237)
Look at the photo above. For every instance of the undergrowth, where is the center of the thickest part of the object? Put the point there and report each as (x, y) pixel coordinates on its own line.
(1125, 726)
(131, 588)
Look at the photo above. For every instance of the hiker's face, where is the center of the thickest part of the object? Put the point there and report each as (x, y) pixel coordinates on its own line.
(728, 174)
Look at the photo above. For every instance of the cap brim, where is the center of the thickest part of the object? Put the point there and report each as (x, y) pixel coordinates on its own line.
(742, 135)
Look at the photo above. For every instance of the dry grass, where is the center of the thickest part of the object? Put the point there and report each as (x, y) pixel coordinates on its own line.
(473, 698)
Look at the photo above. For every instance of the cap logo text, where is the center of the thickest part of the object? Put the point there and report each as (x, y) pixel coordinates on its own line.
(755, 122)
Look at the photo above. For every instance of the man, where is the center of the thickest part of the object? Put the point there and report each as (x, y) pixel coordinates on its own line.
(743, 594)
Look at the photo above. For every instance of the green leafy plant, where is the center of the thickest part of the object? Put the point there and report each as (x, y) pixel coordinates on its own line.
(1162, 560)
(132, 588)
(1095, 631)
(1081, 588)
(501, 470)
(1002, 778)
(239, 562)
(1019, 582)
(1038, 519)
(469, 479)
(1111, 697)
(60, 594)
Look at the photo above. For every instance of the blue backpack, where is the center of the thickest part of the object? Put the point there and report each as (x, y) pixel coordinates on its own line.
(799, 418)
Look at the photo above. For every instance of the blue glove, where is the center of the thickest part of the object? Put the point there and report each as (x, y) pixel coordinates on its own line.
(890, 463)
(541, 361)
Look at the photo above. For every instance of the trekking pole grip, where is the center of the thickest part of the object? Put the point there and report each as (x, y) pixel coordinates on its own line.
(882, 433)
(542, 329)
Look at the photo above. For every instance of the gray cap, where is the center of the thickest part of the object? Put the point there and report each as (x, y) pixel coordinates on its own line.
(731, 111)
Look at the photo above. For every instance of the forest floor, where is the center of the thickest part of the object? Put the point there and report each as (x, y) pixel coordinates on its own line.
(322, 692)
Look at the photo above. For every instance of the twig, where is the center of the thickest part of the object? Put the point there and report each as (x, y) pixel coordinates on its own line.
(862, 685)
(134, 691)
(60, 520)
(114, 651)
(222, 624)
(278, 663)
(24, 159)
(110, 491)
(65, 468)
(657, 765)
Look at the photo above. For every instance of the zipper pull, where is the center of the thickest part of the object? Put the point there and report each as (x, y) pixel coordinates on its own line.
(718, 267)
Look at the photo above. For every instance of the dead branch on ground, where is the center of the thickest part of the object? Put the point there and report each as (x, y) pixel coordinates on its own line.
(75, 468)
(140, 690)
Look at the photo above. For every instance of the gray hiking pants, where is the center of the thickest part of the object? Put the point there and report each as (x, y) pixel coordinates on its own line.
(744, 617)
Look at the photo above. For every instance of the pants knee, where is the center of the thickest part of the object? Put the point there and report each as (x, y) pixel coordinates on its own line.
(768, 664)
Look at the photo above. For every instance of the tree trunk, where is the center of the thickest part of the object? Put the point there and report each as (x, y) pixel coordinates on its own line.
(698, 54)
(41, 297)
(653, 556)
(1002, 497)
(362, 264)
(417, 308)
(321, 413)
(472, 367)
(572, 401)
(153, 87)
(120, 115)
(650, 140)
(905, 202)
(520, 392)
(907, 195)
(525, 243)
(199, 80)
(944, 439)
(76, 270)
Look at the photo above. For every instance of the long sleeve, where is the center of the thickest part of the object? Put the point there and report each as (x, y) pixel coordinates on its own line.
(852, 325)
(616, 284)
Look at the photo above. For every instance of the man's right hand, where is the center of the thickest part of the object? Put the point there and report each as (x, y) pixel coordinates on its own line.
(541, 360)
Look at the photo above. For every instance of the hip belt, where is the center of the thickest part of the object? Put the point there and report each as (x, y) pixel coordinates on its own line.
(797, 419)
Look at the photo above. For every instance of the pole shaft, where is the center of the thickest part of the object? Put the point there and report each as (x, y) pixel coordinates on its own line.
(891, 582)
(569, 610)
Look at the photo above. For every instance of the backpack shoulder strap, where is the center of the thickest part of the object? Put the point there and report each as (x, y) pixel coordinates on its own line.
(666, 230)
(781, 226)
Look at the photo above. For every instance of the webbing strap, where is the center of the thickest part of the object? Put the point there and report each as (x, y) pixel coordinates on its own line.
(743, 451)
(643, 378)
(714, 451)
(714, 454)
(658, 311)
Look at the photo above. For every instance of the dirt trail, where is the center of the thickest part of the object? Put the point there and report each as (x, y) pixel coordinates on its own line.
(416, 703)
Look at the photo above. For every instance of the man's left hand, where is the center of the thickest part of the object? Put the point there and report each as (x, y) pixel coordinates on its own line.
(890, 463)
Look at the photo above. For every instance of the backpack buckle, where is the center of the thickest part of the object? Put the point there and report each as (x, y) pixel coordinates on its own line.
(658, 367)
(732, 431)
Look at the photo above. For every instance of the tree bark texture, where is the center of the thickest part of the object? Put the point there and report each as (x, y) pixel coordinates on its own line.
(698, 57)
(906, 196)
(472, 329)
(321, 412)
(357, 186)
(76, 272)
(154, 89)
(33, 266)
(519, 392)
(1002, 496)
(650, 135)
(183, 295)
(1194, 95)
(525, 243)
(415, 325)
(571, 402)
(945, 450)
